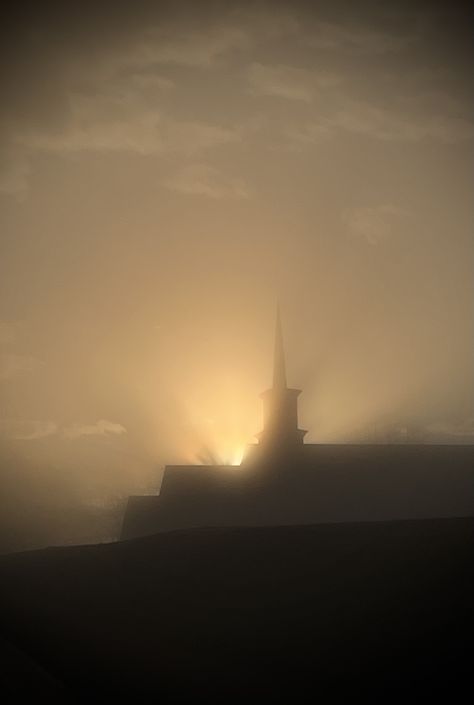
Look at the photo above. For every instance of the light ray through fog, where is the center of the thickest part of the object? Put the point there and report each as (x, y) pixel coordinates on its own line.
(168, 172)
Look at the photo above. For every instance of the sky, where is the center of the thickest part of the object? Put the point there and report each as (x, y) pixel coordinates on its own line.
(168, 172)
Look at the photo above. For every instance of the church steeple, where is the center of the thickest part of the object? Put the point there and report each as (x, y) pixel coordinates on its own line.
(280, 409)
(279, 365)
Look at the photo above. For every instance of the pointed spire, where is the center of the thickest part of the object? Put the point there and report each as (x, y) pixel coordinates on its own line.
(279, 366)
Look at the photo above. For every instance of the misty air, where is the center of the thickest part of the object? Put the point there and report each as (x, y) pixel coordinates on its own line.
(236, 351)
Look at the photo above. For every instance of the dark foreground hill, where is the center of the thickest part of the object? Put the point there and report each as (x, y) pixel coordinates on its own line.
(374, 612)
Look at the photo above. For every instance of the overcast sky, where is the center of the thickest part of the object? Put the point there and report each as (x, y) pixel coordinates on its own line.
(169, 170)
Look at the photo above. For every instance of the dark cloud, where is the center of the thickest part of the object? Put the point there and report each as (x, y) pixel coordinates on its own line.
(48, 48)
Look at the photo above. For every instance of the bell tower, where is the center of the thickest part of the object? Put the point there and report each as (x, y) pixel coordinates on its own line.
(280, 404)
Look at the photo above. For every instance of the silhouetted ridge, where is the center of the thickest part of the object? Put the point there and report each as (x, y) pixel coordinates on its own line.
(369, 611)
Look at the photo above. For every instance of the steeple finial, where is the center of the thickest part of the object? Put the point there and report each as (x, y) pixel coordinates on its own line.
(279, 366)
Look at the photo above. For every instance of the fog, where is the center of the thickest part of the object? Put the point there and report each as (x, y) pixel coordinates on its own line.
(167, 175)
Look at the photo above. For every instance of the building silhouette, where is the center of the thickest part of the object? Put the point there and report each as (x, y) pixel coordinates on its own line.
(284, 481)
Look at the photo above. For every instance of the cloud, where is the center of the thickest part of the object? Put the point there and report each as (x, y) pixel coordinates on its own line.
(357, 39)
(31, 430)
(27, 430)
(127, 119)
(191, 48)
(119, 95)
(124, 118)
(204, 46)
(143, 134)
(111, 101)
(373, 224)
(288, 82)
(420, 120)
(100, 428)
(12, 365)
(205, 180)
(364, 118)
